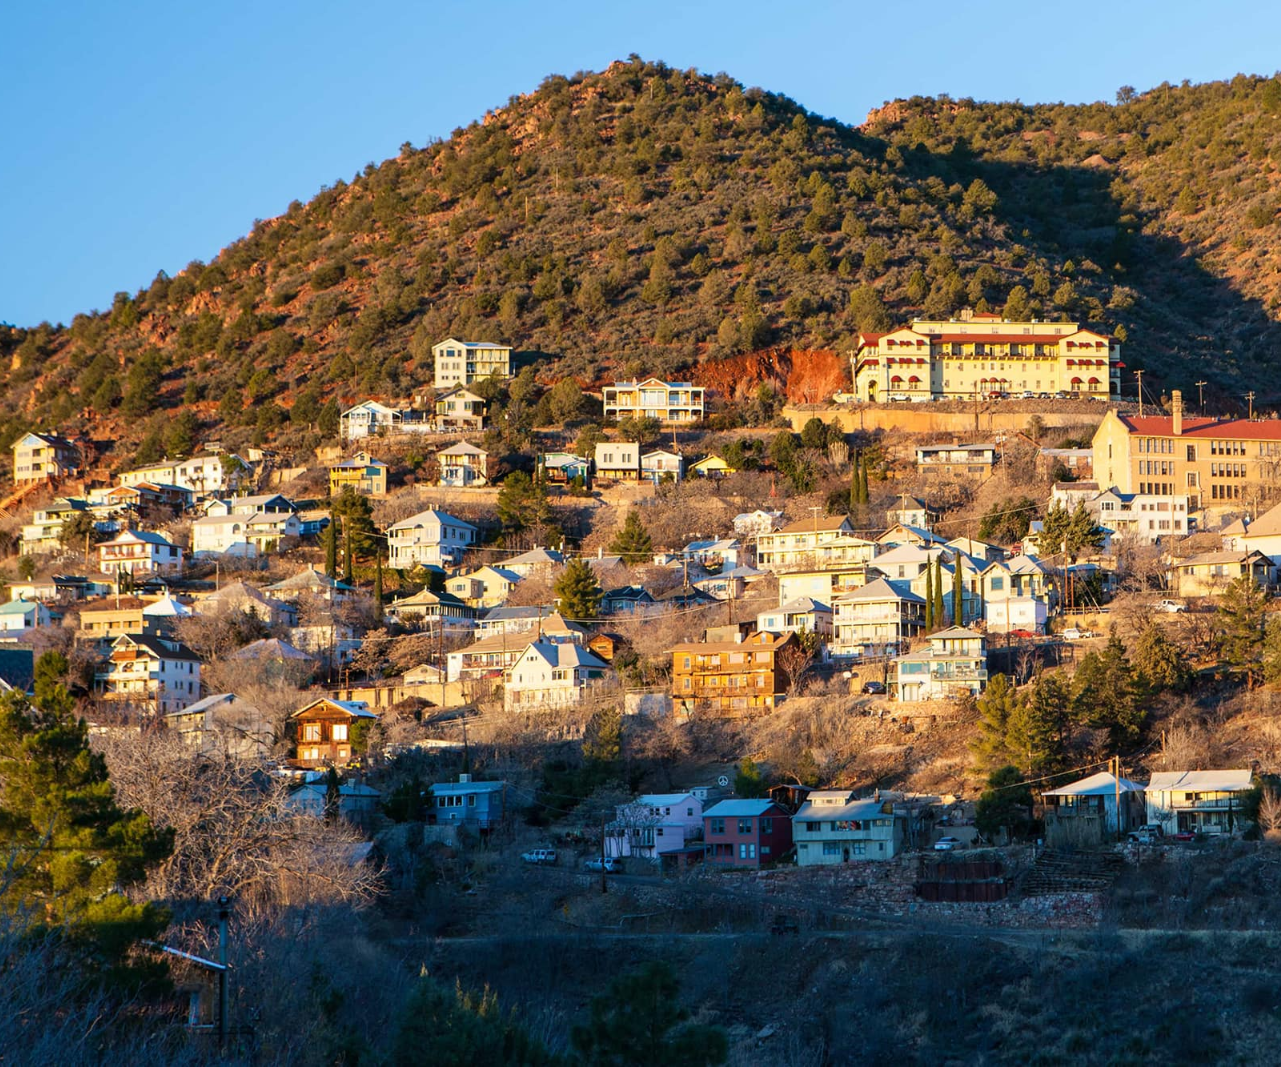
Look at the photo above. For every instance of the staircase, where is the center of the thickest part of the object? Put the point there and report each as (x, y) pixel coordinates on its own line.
(1071, 872)
(22, 492)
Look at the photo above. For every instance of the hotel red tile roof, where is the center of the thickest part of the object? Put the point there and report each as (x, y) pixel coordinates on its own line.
(1232, 429)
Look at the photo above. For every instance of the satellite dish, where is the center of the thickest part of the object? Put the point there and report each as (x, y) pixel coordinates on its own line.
(723, 780)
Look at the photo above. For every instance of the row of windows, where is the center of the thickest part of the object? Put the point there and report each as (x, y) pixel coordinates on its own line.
(455, 801)
(1156, 488)
(312, 731)
(1225, 492)
(1156, 444)
(1227, 448)
(736, 681)
(744, 826)
(1227, 470)
(1156, 466)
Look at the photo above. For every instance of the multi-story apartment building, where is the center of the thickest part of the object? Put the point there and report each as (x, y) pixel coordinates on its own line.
(460, 409)
(669, 402)
(464, 362)
(876, 619)
(203, 474)
(139, 552)
(154, 673)
(956, 461)
(39, 457)
(1221, 464)
(1142, 517)
(44, 532)
(552, 674)
(432, 538)
(798, 544)
(983, 355)
(730, 676)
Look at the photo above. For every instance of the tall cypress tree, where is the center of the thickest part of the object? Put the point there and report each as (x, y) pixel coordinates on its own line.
(855, 499)
(929, 597)
(862, 483)
(331, 546)
(958, 593)
(378, 587)
(938, 592)
(346, 556)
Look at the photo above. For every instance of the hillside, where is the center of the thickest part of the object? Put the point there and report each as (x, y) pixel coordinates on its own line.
(644, 220)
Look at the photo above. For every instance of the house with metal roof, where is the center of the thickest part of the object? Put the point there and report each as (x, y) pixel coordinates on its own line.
(430, 538)
(154, 674)
(831, 826)
(876, 619)
(552, 674)
(654, 824)
(746, 833)
(953, 666)
(1200, 802)
(1084, 813)
(330, 732)
(463, 466)
(477, 805)
(467, 362)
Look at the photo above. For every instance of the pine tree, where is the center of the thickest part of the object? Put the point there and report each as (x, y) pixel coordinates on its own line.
(1242, 618)
(1035, 731)
(77, 853)
(1161, 662)
(633, 542)
(578, 592)
(378, 587)
(748, 783)
(997, 704)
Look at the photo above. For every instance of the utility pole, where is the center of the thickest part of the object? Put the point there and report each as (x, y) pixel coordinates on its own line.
(1116, 779)
(1139, 375)
(1250, 399)
(224, 1015)
(604, 886)
(1200, 397)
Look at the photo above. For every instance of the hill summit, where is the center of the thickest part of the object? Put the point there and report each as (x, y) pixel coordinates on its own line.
(645, 220)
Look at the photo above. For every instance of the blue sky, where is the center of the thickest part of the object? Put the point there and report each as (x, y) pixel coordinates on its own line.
(139, 137)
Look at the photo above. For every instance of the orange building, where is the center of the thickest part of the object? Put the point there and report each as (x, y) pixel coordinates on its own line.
(730, 676)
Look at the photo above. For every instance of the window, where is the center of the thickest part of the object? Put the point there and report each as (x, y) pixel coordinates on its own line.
(744, 826)
(767, 826)
(718, 826)
(339, 731)
(311, 731)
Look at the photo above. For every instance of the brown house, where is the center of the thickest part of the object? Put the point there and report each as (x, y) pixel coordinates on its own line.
(330, 731)
(730, 676)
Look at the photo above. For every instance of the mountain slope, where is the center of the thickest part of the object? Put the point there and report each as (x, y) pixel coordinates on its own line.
(644, 219)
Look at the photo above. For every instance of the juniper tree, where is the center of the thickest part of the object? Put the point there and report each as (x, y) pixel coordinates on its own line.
(578, 592)
(633, 542)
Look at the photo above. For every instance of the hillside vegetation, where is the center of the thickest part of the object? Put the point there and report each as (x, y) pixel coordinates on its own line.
(644, 219)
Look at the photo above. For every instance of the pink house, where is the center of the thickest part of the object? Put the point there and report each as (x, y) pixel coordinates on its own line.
(746, 833)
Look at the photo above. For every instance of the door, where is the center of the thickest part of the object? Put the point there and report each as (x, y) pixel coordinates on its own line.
(845, 854)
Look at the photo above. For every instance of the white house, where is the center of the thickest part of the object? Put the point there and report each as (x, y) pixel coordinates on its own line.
(202, 474)
(551, 674)
(223, 723)
(802, 613)
(832, 827)
(875, 619)
(654, 824)
(1202, 802)
(662, 463)
(795, 545)
(653, 398)
(541, 561)
(139, 552)
(244, 535)
(18, 615)
(155, 673)
(618, 461)
(464, 362)
(1262, 535)
(432, 538)
(367, 418)
(755, 523)
(954, 665)
(463, 465)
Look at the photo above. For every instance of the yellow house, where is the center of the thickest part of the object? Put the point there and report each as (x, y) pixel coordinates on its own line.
(463, 362)
(980, 355)
(712, 467)
(1216, 463)
(38, 457)
(487, 587)
(1210, 573)
(668, 402)
(362, 473)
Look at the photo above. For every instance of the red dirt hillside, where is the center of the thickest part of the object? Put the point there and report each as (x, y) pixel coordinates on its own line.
(805, 376)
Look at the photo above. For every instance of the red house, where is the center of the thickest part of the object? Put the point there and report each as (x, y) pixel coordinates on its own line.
(746, 833)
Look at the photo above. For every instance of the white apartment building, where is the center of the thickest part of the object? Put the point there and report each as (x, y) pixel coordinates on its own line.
(797, 544)
(653, 398)
(203, 474)
(551, 674)
(433, 538)
(464, 362)
(155, 673)
(1141, 517)
(139, 552)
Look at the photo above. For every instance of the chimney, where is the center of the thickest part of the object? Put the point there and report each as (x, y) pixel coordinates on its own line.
(1176, 408)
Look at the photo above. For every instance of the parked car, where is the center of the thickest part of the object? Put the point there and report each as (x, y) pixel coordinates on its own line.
(1027, 394)
(875, 689)
(610, 863)
(1074, 634)
(1149, 834)
(1171, 605)
(947, 844)
(1023, 635)
(539, 855)
(1060, 395)
(899, 398)
(1184, 835)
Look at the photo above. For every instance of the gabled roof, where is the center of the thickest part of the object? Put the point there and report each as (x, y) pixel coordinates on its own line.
(1199, 428)
(1208, 559)
(1266, 525)
(144, 536)
(19, 607)
(734, 809)
(663, 800)
(800, 604)
(156, 647)
(371, 405)
(462, 448)
(535, 557)
(426, 598)
(1231, 781)
(430, 517)
(167, 607)
(823, 524)
(1096, 785)
(356, 463)
(882, 589)
(357, 709)
(271, 648)
(956, 633)
(564, 654)
(310, 578)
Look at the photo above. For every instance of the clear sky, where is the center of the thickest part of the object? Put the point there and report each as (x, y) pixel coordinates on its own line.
(137, 137)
